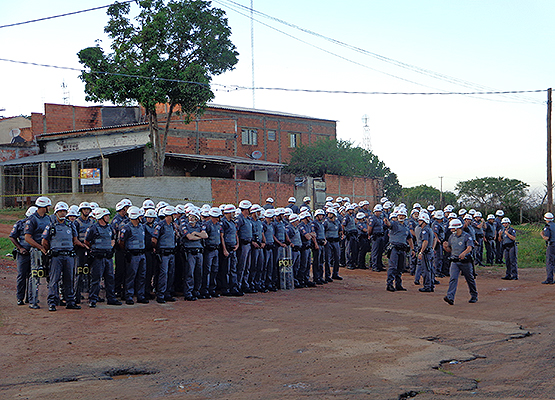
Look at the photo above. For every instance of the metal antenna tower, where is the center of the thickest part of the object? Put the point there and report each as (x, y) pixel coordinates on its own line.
(366, 143)
(65, 90)
(252, 51)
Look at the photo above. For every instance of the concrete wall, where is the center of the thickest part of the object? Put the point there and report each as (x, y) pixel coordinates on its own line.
(90, 141)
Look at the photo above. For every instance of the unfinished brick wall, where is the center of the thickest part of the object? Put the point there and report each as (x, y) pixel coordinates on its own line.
(356, 188)
(233, 191)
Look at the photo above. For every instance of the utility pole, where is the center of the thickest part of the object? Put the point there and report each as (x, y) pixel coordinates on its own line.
(549, 172)
(252, 51)
(441, 191)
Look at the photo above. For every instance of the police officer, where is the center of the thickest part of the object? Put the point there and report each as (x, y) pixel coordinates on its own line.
(244, 231)
(281, 239)
(193, 232)
(164, 240)
(257, 253)
(211, 260)
(150, 219)
(292, 206)
(401, 241)
(351, 241)
(308, 240)
(60, 236)
(82, 277)
(269, 236)
(306, 203)
(227, 274)
(376, 231)
(319, 249)
(120, 219)
(363, 239)
(132, 240)
(439, 233)
(499, 214)
(101, 238)
(425, 242)
(548, 234)
(412, 223)
(22, 255)
(479, 227)
(459, 245)
(34, 228)
(489, 239)
(296, 245)
(333, 232)
(507, 236)
(269, 204)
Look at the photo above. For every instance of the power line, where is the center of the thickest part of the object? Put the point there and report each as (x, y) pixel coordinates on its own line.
(423, 71)
(62, 15)
(238, 87)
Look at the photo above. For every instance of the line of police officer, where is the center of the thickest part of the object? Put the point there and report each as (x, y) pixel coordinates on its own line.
(222, 250)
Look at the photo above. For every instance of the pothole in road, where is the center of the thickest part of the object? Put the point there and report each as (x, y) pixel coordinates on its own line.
(126, 373)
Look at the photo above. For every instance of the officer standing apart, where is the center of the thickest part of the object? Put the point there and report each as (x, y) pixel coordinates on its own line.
(401, 242)
(61, 236)
(101, 239)
(507, 236)
(548, 234)
(459, 245)
(132, 240)
(17, 237)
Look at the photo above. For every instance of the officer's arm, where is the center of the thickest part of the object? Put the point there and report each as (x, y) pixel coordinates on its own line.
(465, 252)
(387, 222)
(29, 239)
(546, 238)
(45, 245)
(17, 245)
(78, 243)
(411, 244)
(202, 235)
(446, 247)
(512, 237)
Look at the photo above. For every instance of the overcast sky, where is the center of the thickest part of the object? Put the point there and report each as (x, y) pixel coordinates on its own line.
(500, 45)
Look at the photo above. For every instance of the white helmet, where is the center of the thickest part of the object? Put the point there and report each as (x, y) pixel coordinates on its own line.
(305, 199)
(292, 200)
(360, 215)
(287, 211)
(329, 198)
(94, 205)
(319, 212)
(30, 211)
(255, 208)
(415, 211)
(462, 211)
(477, 214)
(293, 218)
(119, 206)
(455, 224)
(303, 215)
(472, 211)
(491, 216)
(304, 208)
(505, 220)
(269, 200)
(499, 213)
(431, 207)
(339, 200)
(448, 208)
(98, 213)
(195, 213)
(439, 214)
(270, 213)
(364, 203)
(378, 207)
(150, 213)
(169, 210)
(548, 216)
(468, 216)
(402, 211)
(383, 200)
(245, 204)
(332, 211)
(134, 212)
(280, 211)
(215, 212)
(43, 201)
(452, 215)
(147, 204)
(61, 206)
(387, 204)
(204, 213)
(424, 217)
(84, 205)
(73, 211)
(348, 200)
(126, 202)
(160, 204)
(416, 205)
(350, 207)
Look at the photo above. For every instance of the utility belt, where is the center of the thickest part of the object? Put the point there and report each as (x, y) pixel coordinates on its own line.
(296, 248)
(508, 245)
(244, 242)
(166, 252)
(320, 242)
(269, 246)
(305, 246)
(193, 251)
(229, 246)
(351, 234)
(479, 236)
(136, 252)
(333, 240)
(467, 259)
(59, 253)
(401, 247)
(101, 253)
(211, 248)
(377, 235)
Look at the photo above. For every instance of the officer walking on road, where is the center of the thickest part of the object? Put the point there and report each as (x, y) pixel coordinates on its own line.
(548, 234)
(22, 256)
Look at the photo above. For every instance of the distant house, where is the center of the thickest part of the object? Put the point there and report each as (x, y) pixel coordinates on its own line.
(15, 130)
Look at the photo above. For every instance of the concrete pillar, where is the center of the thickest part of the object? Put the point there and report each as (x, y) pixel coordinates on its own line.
(2, 185)
(105, 170)
(74, 177)
(44, 178)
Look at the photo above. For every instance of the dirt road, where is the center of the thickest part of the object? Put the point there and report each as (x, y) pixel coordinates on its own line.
(345, 340)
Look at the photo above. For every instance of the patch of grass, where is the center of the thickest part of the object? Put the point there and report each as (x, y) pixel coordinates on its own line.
(6, 247)
(531, 246)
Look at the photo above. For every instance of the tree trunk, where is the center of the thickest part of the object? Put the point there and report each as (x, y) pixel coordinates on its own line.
(165, 137)
(155, 140)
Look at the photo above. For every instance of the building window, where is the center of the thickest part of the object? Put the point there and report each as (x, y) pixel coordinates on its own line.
(271, 135)
(248, 136)
(294, 139)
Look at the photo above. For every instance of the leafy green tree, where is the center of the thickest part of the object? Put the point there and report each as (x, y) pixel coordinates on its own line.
(489, 194)
(167, 54)
(339, 157)
(426, 195)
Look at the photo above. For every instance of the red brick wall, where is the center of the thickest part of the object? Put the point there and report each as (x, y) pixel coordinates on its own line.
(13, 152)
(356, 188)
(233, 191)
